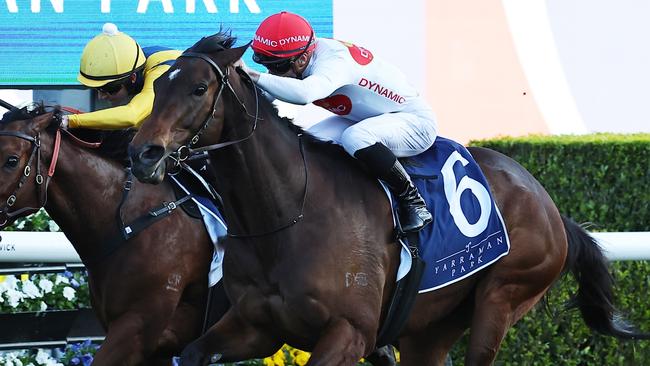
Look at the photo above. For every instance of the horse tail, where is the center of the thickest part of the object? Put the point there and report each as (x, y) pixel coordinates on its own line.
(595, 296)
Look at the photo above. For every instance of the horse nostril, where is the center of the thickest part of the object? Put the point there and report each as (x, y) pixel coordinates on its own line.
(151, 154)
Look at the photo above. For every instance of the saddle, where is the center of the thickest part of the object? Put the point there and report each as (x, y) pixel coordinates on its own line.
(468, 233)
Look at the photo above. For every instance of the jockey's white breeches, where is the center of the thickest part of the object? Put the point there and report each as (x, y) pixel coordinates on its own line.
(406, 133)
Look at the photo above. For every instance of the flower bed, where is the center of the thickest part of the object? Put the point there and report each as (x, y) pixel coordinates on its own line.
(80, 354)
(43, 291)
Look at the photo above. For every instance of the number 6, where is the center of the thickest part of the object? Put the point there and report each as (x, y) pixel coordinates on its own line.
(454, 192)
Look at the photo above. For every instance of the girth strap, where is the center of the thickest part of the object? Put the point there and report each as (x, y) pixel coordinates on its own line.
(401, 303)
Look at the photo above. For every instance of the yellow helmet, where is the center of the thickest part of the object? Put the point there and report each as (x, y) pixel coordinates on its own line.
(109, 56)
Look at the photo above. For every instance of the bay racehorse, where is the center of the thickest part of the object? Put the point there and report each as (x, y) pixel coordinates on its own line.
(304, 219)
(150, 293)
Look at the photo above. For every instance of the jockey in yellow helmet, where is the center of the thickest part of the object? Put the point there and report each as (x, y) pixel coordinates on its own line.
(122, 73)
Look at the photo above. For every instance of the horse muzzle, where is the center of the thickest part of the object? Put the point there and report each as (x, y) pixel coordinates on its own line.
(147, 163)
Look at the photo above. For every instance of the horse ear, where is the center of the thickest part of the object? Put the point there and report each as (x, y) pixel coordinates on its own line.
(233, 54)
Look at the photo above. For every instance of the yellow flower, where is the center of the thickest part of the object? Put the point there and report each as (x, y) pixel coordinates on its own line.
(2, 278)
(278, 358)
(396, 355)
(301, 358)
(269, 361)
(24, 277)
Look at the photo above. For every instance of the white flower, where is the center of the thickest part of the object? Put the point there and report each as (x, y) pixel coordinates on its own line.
(9, 283)
(45, 285)
(53, 226)
(30, 289)
(68, 293)
(14, 297)
(12, 360)
(43, 306)
(42, 357)
(21, 225)
(61, 279)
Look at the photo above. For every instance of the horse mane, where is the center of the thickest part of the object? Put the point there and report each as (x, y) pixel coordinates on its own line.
(29, 111)
(216, 42)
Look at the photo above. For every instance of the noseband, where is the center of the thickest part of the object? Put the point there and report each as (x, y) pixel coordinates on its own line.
(36, 153)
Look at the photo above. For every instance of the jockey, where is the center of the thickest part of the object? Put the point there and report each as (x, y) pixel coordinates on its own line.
(123, 74)
(378, 117)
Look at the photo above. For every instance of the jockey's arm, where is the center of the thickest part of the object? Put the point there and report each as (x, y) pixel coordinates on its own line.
(320, 84)
(129, 115)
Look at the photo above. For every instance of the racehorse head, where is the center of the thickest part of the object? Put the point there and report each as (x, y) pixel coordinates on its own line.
(189, 101)
(22, 183)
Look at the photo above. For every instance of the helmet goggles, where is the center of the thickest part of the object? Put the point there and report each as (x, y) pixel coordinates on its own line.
(112, 87)
(273, 64)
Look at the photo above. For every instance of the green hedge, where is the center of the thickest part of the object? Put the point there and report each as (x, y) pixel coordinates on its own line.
(603, 179)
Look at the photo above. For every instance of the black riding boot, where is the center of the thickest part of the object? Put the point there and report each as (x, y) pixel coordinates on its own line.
(380, 161)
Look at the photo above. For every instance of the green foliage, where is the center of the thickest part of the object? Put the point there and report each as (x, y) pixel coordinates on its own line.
(39, 221)
(554, 336)
(603, 179)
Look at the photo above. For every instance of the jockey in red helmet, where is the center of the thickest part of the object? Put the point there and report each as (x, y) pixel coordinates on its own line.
(378, 115)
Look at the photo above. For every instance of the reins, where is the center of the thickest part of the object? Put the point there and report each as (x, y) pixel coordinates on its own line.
(188, 150)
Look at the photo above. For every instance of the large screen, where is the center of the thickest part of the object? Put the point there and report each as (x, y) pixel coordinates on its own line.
(41, 40)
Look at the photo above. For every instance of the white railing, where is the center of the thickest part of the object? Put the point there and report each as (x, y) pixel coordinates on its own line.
(35, 247)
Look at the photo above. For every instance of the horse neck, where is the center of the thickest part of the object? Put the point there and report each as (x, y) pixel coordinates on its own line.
(264, 178)
(83, 194)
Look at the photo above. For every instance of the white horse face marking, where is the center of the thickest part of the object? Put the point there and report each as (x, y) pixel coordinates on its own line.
(174, 73)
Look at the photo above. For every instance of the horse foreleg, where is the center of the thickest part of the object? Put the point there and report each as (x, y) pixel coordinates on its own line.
(341, 344)
(124, 342)
(229, 340)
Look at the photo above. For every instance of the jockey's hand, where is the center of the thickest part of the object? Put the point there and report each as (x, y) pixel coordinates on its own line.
(251, 72)
(64, 122)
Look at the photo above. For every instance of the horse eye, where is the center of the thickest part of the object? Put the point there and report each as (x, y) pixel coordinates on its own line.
(12, 162)
(200, 90)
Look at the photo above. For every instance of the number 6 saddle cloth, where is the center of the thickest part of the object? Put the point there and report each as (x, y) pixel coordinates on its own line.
(468, 232)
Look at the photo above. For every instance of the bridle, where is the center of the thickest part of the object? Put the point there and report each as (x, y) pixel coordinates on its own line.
(42, 184)
(40, 181)
(186, 150)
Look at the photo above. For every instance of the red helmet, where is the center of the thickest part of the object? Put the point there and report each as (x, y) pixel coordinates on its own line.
(283, 35)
